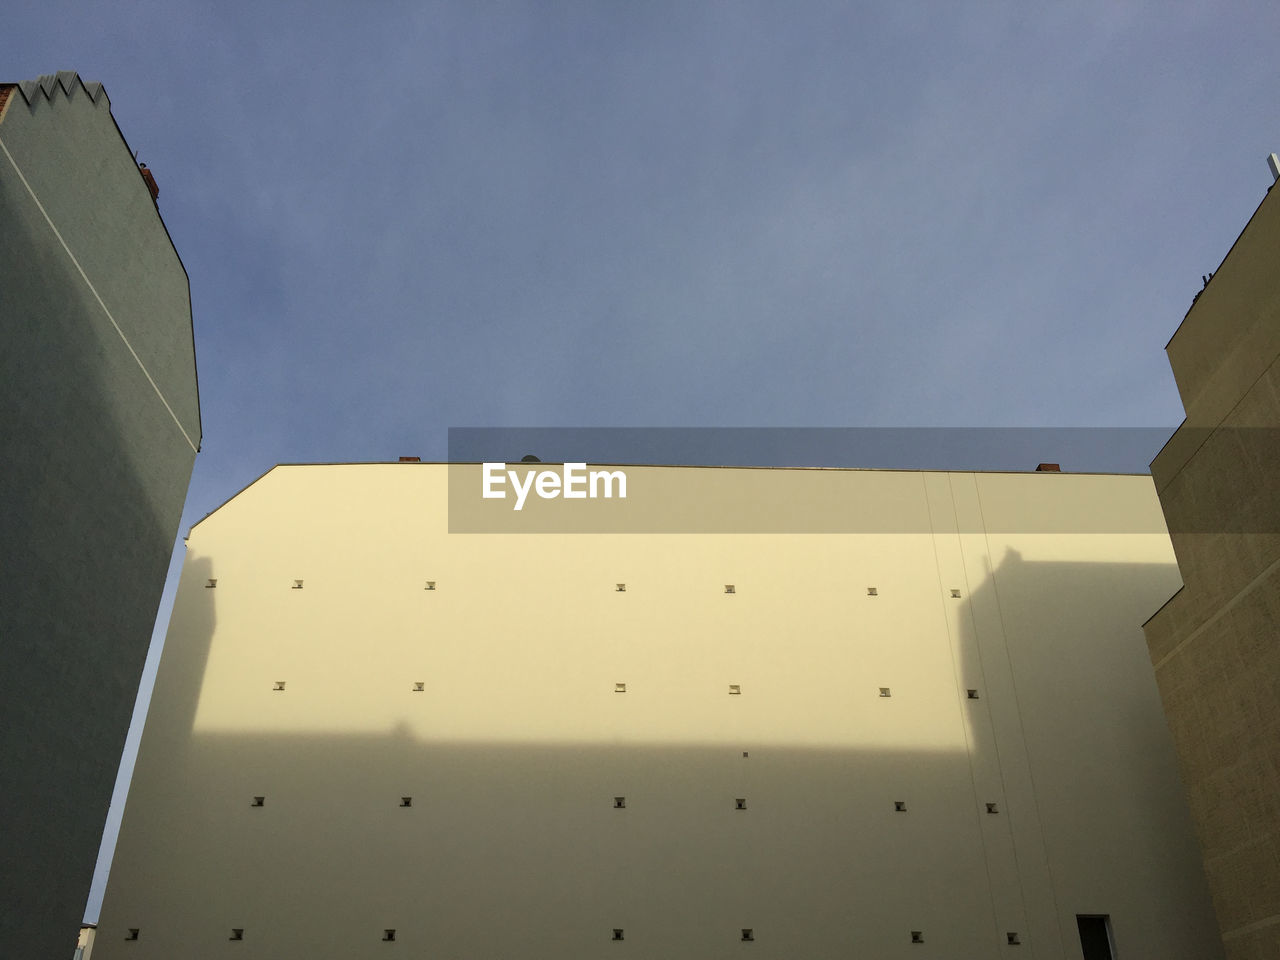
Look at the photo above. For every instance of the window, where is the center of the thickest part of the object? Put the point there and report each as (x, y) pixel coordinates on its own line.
(278, 686)
(872, 592)
(431, 585)
(259, 802)
(884, 692)
(297, 584)
(211, 584)
(133, 934)
(973, 694)
(620, 588)
(1095, 936)
(619, 688)
(1012, 937)
(917, 936)
(617, 933)
(748, 934)
(740, 803)
(735, 689)
(619, 803)
(237, 933)
(993, 808)
(899, 806)
(419, 686)
(389, 934)
(406, 801)
(730, 588)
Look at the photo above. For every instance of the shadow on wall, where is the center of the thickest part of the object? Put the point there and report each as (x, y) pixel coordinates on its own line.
(547, 849)
(88, 534)
(1072, 690)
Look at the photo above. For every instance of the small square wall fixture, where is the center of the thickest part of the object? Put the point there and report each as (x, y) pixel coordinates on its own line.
(955, 594)
(885, 692)
(406, 801)
(419, 686)
(619, 803)
(993, 808)
(740, 803)
(211, 584)
(388, 934)
(133, 933)
(917, 936)
(431, 585)
(899, 806)
(237, 933)
(1013, 939)
(259, 802)
(730, 588)
(617, 933)
(873, 592)
(748, 934)
(297, 584)
(620, 588)
(972, 694)
(735, 689)
(278, 686)
(619, 688)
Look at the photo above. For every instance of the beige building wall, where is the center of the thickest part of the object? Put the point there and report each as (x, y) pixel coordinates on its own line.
(1214, 644)
(493, 702)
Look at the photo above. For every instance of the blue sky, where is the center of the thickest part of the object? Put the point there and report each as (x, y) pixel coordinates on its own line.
(399, 218)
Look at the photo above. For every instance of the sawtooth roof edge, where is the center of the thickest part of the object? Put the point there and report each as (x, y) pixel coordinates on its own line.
(48, 84)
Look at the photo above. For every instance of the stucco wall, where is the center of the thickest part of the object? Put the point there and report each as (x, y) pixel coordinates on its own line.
(95, 474)
(1214, 644)
(518, 743)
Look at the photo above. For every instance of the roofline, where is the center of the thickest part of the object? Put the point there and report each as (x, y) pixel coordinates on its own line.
(663, 466)
(1167, 442)
(191, 321)
(232, 497)
(1196, 299)
(692, 466)
(94, 91)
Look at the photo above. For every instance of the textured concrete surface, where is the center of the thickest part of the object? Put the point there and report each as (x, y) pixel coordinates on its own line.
(95, 340)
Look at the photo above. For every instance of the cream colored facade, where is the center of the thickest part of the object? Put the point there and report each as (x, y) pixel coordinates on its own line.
(759, 761)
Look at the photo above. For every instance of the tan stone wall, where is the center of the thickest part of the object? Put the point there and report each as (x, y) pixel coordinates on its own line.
(1231, 334)
(1216, 644)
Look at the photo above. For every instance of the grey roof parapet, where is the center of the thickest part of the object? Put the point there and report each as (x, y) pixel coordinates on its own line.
(68, 80)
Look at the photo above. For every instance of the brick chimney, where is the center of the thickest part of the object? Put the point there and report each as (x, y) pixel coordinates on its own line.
(151, 181)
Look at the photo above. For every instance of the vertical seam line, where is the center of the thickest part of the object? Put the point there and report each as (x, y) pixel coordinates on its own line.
(1022, 733)
(969, 736)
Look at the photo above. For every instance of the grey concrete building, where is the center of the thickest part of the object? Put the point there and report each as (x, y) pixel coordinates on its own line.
(1216, 643)
(99, 428)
